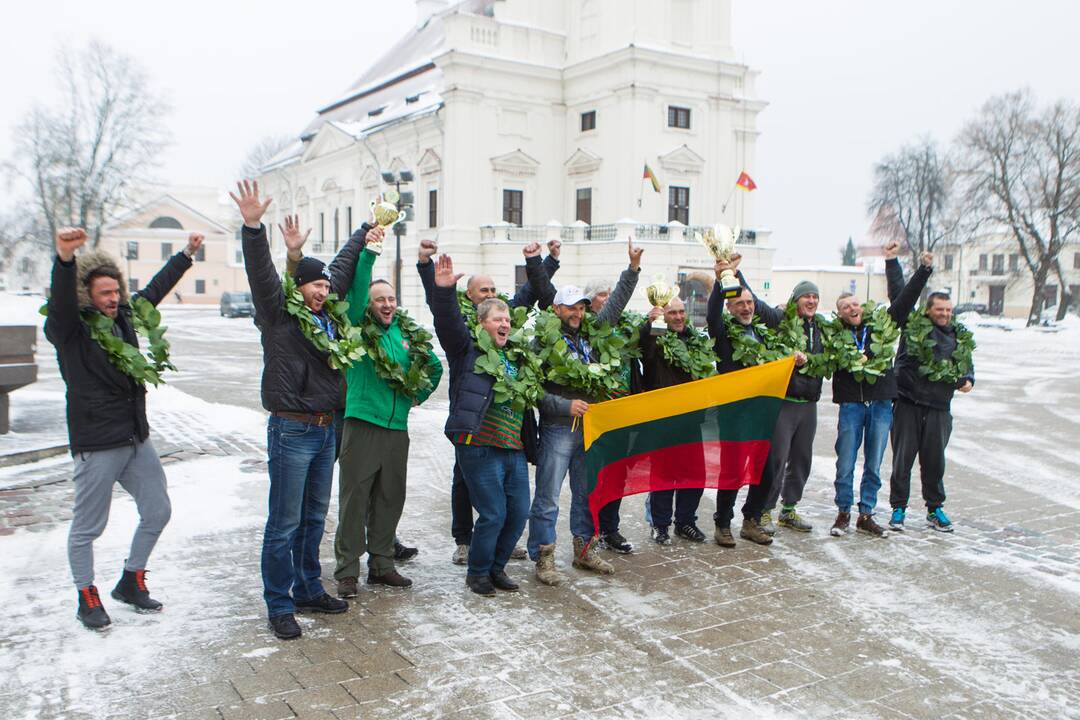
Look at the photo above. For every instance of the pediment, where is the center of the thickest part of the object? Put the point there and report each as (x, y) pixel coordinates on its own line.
(429, 163)
(582, 162)
(330, 138)
(682, 159)
(515, 163)
(329, 185)
(369, 178)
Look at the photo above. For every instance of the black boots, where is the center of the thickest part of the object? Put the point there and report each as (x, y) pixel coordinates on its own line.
(91, 613)
(132, 590)
(285, 627)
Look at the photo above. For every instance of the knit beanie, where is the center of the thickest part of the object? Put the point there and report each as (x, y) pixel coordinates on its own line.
(310, 269)
(804, 288)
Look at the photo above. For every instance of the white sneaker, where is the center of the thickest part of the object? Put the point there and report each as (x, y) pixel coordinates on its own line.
(461, 555)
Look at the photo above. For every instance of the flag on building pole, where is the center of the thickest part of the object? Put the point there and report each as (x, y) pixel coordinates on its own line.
(651, 177)
(712, 433)
(745, 182)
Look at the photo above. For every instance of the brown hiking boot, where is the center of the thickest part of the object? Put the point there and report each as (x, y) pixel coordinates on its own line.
(346, 587)
(841, 525)
(752, 531)
(545, 566)
(590, 559)
(866, 524)
(723, 537)
(391, 577)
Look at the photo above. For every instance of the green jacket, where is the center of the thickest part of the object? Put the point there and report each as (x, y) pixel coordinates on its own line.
(368, 397)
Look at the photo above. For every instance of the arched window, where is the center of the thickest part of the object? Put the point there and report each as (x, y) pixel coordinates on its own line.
(166, 223)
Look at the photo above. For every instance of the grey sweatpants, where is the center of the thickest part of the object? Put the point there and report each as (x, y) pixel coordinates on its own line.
(138, 470)
(792, 451)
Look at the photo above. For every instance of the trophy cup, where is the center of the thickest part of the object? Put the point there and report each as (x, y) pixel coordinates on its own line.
(660, 294)
(385, 214)
(720, 242)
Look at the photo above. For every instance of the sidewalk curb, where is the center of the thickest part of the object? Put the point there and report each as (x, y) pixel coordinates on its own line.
(30, 456)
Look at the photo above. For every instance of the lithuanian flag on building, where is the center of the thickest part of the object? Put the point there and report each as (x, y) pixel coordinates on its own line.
(712, 433)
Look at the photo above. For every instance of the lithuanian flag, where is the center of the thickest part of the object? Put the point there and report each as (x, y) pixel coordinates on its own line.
(712, 433)
(649, 175)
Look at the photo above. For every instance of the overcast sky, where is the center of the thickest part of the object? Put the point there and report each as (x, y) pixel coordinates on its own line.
(846, 81)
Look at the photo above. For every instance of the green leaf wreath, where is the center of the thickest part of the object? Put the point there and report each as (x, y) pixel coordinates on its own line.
(839, 344)
(518, 315)
(747, 350)
(694, 355)
(127, 358)
(416, 379)
(792, 338)
(347, 347)
(920, 345)
(600, 378)
(522, 391)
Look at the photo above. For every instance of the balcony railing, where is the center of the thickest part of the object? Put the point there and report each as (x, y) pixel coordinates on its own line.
(609, 232)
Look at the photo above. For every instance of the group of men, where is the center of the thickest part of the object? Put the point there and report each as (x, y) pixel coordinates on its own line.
(338, 383)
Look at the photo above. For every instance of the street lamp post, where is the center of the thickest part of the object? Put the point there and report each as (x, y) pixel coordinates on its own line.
(401, 201)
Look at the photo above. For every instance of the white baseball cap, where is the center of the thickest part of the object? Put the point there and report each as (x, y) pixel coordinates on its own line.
(570, 295)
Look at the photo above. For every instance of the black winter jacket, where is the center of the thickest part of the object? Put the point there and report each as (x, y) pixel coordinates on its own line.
(722, 346)
(296, 376)
(470, 392)
(105, 408)
(844, 386)
(657, 372)
(913, 387)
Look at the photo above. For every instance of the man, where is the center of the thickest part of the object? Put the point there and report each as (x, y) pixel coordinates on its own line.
(922, 421)
(108, 433)
(659, 372)
(300, 391)
(562, 443)
(866, 408)
(381, 388)
(537, 289)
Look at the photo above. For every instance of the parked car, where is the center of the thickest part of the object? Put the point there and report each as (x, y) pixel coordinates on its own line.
(237, 304)
(971, 307)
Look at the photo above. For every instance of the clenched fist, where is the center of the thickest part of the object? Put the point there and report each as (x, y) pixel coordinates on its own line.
(68, 240)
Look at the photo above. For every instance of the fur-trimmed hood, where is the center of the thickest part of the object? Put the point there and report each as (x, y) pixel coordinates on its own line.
(89, 261)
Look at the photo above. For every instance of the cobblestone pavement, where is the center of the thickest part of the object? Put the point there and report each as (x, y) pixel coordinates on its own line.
(978, 624)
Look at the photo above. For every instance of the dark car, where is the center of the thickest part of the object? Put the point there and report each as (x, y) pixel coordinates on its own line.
(237, 304)
(971, 307)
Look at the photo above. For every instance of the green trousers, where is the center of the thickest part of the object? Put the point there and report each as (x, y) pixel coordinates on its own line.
(371, 495)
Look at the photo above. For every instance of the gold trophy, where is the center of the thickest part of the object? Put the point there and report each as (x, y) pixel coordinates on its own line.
(385, 214)
(660, 294)
(720, 242)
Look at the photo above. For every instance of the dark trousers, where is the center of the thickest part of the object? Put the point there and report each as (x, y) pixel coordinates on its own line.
(755, 500)
(609, 517)
(923, 432)
(686, 504)
(792, 452)
(461, 509)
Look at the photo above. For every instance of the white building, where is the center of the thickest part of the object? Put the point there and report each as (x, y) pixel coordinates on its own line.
(522, 120)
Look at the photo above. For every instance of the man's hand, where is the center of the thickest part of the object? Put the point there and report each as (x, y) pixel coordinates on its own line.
(554, 248)
(294, 239)
(251, 208)
(428, 248)
(800, 358)
(194, 242)
(927, 259)
(655, 313)
(720, 266)
(444, 272)
(68, 240)
(892, 249)
(578, 408)
(531, 250)
(966, 387)
(635, 254)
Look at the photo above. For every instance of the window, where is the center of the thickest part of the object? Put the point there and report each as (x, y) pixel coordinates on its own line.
(322, 232)
(1049, 295)
(520, 278)
(200, 254)
(1014, 262)
(1074, 296)
(984, 262)
(166, 223)
(133, 285)
(948, 262)
(512, 202)
(679, 204)
(1076, 261)
(238, 258)
(348, 219)
(166, 251)
(200, 287)
(433, 208)
(588, 121)
(678, 117)
(998, 267)
(583, 209)
(337, 231)
(133, 250)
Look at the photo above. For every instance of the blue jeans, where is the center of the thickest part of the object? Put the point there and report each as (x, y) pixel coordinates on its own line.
(561, 450)
(498, 482)
(871, 421)
(301, 463)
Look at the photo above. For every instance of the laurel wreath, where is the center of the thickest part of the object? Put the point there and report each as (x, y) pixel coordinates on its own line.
(839, 345)
(518, 315)
(748, 351)
(344, 349)
(921, 346)
(791, 336)
(409, 382)
(694, 355)
(610, 346)
(522, 391)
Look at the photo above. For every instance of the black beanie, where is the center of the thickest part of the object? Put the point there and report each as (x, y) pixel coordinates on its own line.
(310, 269)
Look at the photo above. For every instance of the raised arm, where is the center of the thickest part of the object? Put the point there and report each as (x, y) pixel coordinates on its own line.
(714, 313)
(771, 316)
(426, 268)
(361, 284)
(908, 297)
(450, 326)
(537, 285)
(63, 304)
(166, 278)
(266, 293)
(624, 289)
(343, 266)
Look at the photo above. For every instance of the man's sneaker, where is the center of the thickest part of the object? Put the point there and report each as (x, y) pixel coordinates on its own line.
(589, 559)
(91, 612)
(841, 525)
(723, 537)
(938, 520)
(132, 590)
(502, 581)
(545, 566)
(480, 584)
(789, 518)
(767, 524)
(896, 520)
(519, 553)
(615, 542)
(346, 587)
(866, 524)
(285, 627)
(660, 535)
(322, 604)
(690, 532)
(391, 577)
(404, 552)
(461, 555)
(752, 531)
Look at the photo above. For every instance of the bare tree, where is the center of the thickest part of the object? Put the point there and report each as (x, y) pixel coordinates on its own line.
(262, 152)
(106, 135)
(911, 198)
(1023, 174)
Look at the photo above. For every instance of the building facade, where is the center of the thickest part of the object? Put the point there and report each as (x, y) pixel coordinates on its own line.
(515, 120)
